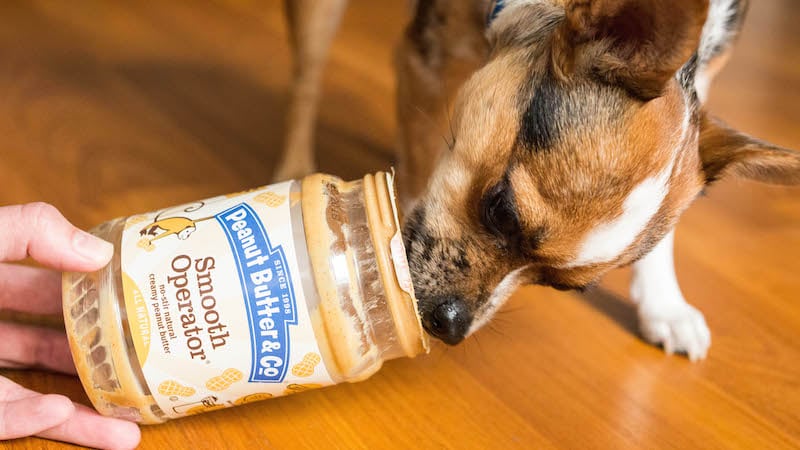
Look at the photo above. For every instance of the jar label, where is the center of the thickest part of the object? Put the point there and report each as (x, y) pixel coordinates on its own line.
(216, 296)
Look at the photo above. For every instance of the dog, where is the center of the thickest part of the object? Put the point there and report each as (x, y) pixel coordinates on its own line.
(579, 137)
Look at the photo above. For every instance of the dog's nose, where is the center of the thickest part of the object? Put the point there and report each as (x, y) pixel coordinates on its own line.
(449, 321)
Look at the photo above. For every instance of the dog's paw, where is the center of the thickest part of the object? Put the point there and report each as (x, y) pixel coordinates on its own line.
(678, 327)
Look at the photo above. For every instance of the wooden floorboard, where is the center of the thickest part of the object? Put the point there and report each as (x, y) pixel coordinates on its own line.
(109, 108)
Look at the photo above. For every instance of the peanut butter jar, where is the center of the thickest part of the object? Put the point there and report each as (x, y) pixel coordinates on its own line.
(244, 297)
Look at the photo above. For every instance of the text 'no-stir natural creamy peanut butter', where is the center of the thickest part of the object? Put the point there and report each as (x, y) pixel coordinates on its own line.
(244, 297)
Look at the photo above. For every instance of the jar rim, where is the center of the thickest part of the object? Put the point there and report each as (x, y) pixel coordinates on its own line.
(381, 205)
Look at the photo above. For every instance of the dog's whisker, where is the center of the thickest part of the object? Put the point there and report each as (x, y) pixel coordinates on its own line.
(493, 327)
(448, 143)
(451, 145)
(478, 344)
(507, 311)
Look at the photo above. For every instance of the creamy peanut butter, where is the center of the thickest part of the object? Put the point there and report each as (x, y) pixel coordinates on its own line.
(244, 297)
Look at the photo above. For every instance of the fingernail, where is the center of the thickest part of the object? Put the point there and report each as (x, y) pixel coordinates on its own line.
(92, 247)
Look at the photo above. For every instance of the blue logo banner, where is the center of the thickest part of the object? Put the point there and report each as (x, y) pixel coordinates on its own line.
(268, 292)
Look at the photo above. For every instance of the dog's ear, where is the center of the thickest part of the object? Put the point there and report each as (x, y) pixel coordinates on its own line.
(725, 151)
(640, 44)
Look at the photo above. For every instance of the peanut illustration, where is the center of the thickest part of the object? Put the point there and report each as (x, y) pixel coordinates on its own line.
(135, 220)
(294, 388)
(252, 398)
(202, 408)
(170, 387)
(305, 368)
(224, 381)
(270, 199)
(146, 244)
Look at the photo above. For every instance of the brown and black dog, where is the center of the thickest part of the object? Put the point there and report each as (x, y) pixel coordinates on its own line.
(579, 138)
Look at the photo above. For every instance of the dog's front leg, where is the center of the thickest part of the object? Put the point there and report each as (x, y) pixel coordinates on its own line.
(312, 25)
(664, 316)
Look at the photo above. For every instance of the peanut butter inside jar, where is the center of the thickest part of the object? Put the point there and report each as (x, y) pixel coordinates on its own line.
(244, 297)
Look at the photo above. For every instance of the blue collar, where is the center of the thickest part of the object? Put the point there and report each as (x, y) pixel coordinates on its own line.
(494, 9)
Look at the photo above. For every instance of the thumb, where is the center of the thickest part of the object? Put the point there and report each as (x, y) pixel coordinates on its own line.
(40, 231)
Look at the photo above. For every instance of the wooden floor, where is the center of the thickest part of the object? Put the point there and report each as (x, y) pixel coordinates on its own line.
(108, 109)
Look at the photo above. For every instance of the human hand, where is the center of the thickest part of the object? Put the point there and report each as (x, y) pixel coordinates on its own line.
(38, 230)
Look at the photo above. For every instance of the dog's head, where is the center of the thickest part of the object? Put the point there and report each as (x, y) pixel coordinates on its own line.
(577, 146)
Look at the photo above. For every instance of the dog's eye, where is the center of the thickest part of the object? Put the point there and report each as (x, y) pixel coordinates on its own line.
(499, 213)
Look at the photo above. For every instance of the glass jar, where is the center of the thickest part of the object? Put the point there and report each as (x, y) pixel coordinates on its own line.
(244, 297)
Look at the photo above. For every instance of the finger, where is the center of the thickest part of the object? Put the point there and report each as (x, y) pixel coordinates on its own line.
(34, 346)
(30, 289)
(40, 231)
(31, 415)
(88, 428)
